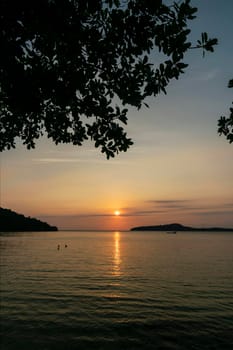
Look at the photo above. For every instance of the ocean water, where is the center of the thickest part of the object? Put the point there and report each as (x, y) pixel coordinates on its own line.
(116, 290)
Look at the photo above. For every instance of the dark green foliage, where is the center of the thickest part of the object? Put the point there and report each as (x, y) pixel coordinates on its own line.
(65, 63)
(11, 221)
(206, 44)
(225, 125)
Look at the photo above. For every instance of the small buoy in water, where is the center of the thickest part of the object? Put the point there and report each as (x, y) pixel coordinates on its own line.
(58, 246)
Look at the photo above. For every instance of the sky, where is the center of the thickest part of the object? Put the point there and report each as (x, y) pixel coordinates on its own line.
(178, 170)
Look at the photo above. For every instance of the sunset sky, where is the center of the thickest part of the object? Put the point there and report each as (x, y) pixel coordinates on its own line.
(178, 170)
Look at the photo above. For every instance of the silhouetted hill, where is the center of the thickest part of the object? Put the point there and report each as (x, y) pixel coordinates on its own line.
(11, 221)
(179, 227)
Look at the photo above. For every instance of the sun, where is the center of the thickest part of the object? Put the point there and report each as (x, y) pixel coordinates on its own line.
(117, 213)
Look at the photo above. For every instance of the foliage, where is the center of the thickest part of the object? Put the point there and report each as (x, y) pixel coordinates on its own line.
(226, 124)
(65, 64)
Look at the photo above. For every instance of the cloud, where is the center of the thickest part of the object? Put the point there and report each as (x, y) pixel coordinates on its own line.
(144, 212)
(228, 205)
(191, 206)
(87, 215)
(87, 160)
(57, 160)
(214, 212)
(178, 203)
(125, 213)
(207, 76)
(156, 207)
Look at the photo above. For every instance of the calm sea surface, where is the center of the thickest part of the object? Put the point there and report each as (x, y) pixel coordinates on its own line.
(116, 290)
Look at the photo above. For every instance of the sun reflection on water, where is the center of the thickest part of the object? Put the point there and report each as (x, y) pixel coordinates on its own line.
(117, 255)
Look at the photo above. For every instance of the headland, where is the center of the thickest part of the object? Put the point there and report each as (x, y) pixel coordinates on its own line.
(11, 221)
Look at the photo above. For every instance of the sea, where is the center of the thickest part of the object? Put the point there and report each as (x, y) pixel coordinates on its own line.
(116, 290)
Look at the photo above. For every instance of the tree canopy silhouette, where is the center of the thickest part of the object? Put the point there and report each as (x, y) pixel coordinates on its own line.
(226, 124)
(68, 68)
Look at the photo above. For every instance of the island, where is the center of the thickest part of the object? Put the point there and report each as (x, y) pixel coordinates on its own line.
(178, 227)
(11, 221)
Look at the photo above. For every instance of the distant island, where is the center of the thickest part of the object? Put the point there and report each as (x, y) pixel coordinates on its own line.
(12, 221)
(179, 227)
